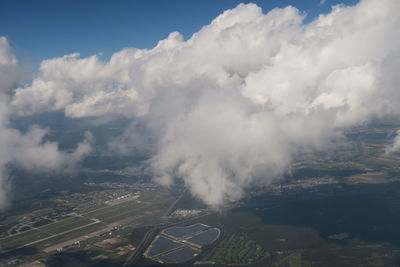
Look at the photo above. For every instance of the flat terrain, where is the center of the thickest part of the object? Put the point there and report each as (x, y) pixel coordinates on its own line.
(236, 249)
(337, 208)
(78, 225)
(179, 244)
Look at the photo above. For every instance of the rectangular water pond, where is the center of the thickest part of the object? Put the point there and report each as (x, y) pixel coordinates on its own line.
(181, 231)
(162, 245)
(181, 255)
(205, 238)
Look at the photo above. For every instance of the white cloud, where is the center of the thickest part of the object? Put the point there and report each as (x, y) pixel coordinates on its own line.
(233, 104)
(26, 150)
(394, 146)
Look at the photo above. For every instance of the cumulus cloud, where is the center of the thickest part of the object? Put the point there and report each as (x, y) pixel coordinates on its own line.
(26, 150)
(394, 146)
(236, 102)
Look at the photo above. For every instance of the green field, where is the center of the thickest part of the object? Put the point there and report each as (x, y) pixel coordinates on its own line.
(116, 212)
(123, 214)
(294, 260)
(148, 195)
(236, 249)
(54, 232)
(65, 225)
(44, 231)
(70, 235)
(22, 239)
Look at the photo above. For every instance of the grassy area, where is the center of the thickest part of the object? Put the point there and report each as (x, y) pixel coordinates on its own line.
(65, 225)
(123, 214)
(107, 214)
(70, 235)
(106, 211)
(236, 249)
(294, 259)
(148, 195)
(22, 239)
(115, 212)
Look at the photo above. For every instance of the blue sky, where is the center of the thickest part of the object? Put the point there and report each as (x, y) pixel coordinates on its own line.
(40, 29)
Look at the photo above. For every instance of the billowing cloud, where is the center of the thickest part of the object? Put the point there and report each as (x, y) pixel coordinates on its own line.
(236, 102)
(26, 150)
